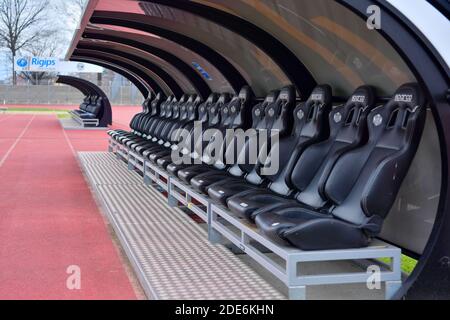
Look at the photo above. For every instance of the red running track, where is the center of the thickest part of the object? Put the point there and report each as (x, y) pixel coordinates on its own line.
(48, 217)
(121, 114)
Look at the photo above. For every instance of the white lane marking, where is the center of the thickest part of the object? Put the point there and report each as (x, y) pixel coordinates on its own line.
(11, 149)
(69, 143)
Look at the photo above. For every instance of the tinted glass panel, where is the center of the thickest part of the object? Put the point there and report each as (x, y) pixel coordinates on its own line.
(214, 78)
(179, 78)
(333, 42)
(161, 83)
(258, 69)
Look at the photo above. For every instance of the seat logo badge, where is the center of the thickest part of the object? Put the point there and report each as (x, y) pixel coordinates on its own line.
(244, 205)
(378, 120)
(338, 117)
(316, 97)
(360, 99)
(257, 112)
(271, 112)
(404, 98)
(300, 114)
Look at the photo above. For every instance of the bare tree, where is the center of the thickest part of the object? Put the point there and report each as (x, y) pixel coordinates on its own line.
(72, 9)
(19, 24)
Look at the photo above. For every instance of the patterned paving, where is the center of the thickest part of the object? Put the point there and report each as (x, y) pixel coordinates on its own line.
(170, 252)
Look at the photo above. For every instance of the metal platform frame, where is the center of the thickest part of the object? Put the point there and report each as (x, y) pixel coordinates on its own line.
(84, 122)
(222, 224)
(244, 235)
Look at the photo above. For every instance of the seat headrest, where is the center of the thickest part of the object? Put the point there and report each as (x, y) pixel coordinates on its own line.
(198, 100)
(403, 110)
(271, 97)
(212, 98)
(356, 109)
(409, 95)
(224, 98)
(288, 94)
(192, 98)
(363, 96)
(322, 94)
(184, 98)
(246, 93)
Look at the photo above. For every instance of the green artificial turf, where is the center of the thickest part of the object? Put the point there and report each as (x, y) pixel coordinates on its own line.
(408, 264)
(61, 114)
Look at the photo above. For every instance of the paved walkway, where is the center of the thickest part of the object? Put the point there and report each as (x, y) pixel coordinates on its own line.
(48, 218)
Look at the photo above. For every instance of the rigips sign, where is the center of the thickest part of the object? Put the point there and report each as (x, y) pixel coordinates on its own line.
(37, 64)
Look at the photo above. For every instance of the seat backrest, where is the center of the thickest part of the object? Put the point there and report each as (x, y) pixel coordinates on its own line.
(259, 122)
(170, 108)
(214, 113)
(203, 109)
(85, 103)
(279, 121)
(155, 105)
(279, 114)
(348, 130)
(240, 109)
(310, 126)
(146, 106)
(365, 182)
(164, 106)
(193, 112)
(184, 107)
(176, 110)
(234, 115)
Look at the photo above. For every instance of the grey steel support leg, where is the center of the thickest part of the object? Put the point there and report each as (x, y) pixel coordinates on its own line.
(391, 289)
(297, 293)
(213, 236)
(131, 166)
(172, 201)
(147, 180)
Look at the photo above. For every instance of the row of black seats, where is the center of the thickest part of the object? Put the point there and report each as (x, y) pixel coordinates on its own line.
(91, 108)
(340, 167)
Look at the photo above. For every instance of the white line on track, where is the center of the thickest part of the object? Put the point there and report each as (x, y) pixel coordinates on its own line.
(11, 149)
(69, 142)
